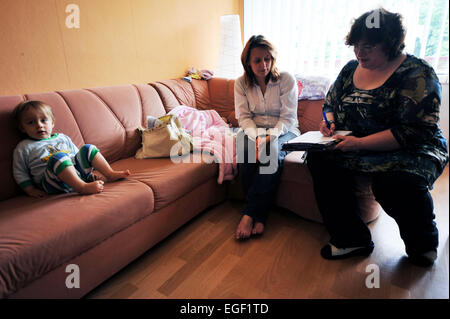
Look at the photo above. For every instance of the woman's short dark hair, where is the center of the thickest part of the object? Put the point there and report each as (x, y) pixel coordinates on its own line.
(377, 27)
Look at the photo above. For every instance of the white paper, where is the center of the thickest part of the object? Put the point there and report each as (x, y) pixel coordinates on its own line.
(316, 137)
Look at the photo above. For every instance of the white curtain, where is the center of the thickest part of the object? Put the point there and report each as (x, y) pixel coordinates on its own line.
(310, 34)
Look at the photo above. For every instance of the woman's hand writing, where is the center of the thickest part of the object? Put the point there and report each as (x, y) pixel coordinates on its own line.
(325, 130)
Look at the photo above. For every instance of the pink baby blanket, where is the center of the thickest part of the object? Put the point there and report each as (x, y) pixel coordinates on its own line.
(212, 135)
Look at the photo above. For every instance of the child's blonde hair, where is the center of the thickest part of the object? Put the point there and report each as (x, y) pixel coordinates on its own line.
(25, 105)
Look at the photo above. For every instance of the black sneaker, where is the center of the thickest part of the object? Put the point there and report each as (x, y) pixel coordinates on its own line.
(331, 252)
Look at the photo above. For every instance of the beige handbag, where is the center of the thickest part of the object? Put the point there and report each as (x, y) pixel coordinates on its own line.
(164, 140)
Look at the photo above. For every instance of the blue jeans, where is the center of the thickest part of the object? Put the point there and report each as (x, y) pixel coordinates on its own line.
(260, 178)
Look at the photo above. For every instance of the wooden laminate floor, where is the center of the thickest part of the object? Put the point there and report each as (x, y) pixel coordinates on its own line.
(202, 260)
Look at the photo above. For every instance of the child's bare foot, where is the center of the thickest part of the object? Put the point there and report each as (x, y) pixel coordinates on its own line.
(92, 188)
(258, 228)
(115, 175)
(244, 228)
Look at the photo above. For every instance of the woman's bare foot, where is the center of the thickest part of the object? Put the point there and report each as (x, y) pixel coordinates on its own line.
(92, 188)
(258, 228)
(244, 228)
(115, 175)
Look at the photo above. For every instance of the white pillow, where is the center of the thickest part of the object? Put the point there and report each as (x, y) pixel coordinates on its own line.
(313, 87)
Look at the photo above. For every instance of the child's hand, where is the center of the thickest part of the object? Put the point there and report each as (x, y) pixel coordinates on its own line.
(34, 192)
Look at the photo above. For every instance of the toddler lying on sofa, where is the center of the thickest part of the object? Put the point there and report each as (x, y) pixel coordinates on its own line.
(46, 163)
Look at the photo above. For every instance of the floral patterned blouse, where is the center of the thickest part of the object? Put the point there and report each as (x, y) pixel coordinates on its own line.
(408, 104)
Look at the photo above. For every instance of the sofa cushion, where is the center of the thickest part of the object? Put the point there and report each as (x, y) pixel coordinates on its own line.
(168, 99)
(182, 90)
(295, 169)
(97, 122)
(309, 115)
(168, 180)
(221, 94)
(200, 88)
(10, 137)
(125, 103)
(38, 235)
(151, 102)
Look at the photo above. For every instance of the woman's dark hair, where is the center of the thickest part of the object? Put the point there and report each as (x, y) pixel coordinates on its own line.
(377, 27)
(258, 41)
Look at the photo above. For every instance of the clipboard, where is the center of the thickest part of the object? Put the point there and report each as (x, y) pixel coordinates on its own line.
(312, 141)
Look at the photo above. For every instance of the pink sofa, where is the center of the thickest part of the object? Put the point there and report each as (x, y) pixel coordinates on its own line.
(102, 233)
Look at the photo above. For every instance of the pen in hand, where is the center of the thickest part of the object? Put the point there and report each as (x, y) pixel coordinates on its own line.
(327, 123)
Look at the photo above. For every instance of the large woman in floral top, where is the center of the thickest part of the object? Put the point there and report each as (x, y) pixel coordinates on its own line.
(390, 100)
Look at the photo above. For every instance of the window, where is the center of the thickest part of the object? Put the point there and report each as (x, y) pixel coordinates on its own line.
(310, 34)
